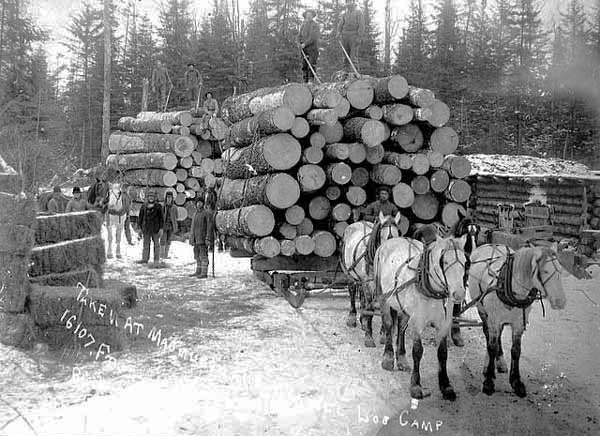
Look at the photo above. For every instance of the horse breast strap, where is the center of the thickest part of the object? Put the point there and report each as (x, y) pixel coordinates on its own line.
(423, 279)
(504, 289)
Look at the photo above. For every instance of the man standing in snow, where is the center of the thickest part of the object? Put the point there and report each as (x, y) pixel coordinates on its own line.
(202, 237)
(151, 222)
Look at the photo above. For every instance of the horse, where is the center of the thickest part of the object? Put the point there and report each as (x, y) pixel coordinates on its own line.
(360, 242)
(505, 284)
(98, 195)
(415, 282)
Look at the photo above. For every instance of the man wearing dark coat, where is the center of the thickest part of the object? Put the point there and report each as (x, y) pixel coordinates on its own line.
(193, 83)
(308, 38)
(151, 222)
(160, 83)
(351, 31)
(383, 204)
(202, 237)
(170, 227)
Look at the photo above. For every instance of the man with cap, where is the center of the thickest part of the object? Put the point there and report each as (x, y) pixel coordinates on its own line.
(202, 237)
(210, 106)
(151, 222)
(193, 83)
(351, 31)
(77, 204)
(160, 82)
(308, 39)
(54, 204)
(170, 227)
(383, 204)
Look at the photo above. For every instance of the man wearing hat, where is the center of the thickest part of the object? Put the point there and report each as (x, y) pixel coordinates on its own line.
(77, 204)
(193, 83)
(160, 82)
(383, 204)
(351, 31)
(54, 204)
(308, 39)
(151, 222)
(202, 233)
(170, 226)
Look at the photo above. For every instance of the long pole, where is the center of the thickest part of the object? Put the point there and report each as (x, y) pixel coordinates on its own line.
(107, 68)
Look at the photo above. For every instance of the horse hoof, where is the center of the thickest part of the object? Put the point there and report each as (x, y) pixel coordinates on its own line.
(488, 387)
(519, 389)
(457, 339)
(501, 366)
(382, 339)
(403, 364)
(387, 363)
(416, 392)
(449, 394)
(351, 321)
(369, 342)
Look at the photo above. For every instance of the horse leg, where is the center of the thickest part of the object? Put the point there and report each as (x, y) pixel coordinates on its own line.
(400, 343)
(351, 321)
(455, 330)
(443, 380)
(492, 351)
(415, 381)
(501, 366)
(387, 323)
(515, 354)
(369, 342)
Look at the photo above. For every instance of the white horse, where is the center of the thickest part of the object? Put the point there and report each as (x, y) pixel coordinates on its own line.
(505, 284)
(417, 285)
(361, 240)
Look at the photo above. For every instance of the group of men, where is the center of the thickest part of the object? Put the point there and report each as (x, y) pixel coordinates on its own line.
(350, 32)
(162, 85)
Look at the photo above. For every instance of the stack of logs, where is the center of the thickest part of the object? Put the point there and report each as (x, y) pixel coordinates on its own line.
(167, 151)
(301, 162)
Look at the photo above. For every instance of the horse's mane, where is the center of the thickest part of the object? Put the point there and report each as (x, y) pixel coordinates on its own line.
(373, 243)
(426, 234)
(522, 268)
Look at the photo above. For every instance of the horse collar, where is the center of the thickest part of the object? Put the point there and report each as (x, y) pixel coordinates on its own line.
(423, 279)
(504, 288)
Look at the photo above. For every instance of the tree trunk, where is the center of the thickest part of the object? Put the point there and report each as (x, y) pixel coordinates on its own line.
(397, 114)
(458, 191)
(186, 162)
(107, 78)
(312, 155)
(359, 93)
(438, 114)
(409, 137)
(205, 149)
(319, 208)
(403, 195)
(180, 199)
(319, 117)
(439, 181)
(192, 183)
(288, 231)
(130, 124)
(325, 243)
(325, 97)
(436, 159)
(420, 164)
(356, 196)
(311, 177)
(180, 130)
(305, 245)
(253, 221)
(243, 133)
(369, 132)
(278, 191)
(341, 212)
(420, 185)
(337, 151)
(375, 154)
(182, 118)
(127, 143)
(150, 177)
(237, 107)
(343, 108)
(182, 174)
(420, 97)
(373, 112)
(425, 207)
(385, 174)
(340, 228)
(295, 96)
(401, 160)
(294, 215)
(357, 153)
(288, 248)
(339, 173)
(317, 140)
(274, 153)
(333, 133)
(389, 89)
(267, 247)
(217, 128)
(138, 193)
(179, 187)
(458, 166)
(124, 162)
(444, 140)
(305, 227)
(333, 192)
(450, 213)
(300, 128)
(182, 213)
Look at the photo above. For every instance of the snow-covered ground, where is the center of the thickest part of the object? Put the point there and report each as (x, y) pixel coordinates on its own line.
(260, 367)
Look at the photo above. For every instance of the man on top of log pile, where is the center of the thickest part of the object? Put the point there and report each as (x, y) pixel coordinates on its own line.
(54, 204)
(77, 204)
(170, 227)
(210, 106)
(308, 39)
(202, 239)
(383, 204)
(151, 222)
(193, 83)
(160, 81)
(350, 31)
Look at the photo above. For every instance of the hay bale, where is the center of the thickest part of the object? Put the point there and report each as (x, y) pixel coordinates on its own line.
(16, 239)
(12, 183)
(67, 227)
(14, 284)
(17, 329)
(58, 337)
(90, 276)
(48, 304)
(67, 256)
(15, 209)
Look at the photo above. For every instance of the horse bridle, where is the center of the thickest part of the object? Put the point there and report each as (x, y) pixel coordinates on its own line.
(445, 284)
(556, 271)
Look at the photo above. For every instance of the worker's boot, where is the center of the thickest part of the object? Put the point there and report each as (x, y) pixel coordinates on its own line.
(455, 330)
(167, 248)
(197, 273)
(203, 270)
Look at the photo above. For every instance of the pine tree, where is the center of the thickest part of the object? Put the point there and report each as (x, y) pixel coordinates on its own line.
(412, 56)
(331, 58)
(368, 54)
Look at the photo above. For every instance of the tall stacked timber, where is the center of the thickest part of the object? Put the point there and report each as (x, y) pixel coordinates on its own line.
(68, 250)
(569, 188)
(363, 133)
(181, 155)
(17, 226)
